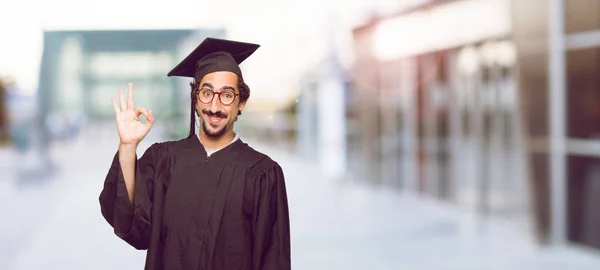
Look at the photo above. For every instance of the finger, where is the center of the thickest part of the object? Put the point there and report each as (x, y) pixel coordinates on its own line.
(122, 100)
(130, 97)
(150, 119)
(141, 110)
(116, 106)
(137, 112)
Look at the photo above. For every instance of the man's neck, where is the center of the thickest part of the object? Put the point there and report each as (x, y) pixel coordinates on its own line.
(216, 143)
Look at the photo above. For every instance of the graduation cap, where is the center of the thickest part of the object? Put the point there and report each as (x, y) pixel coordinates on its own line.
(212, 55)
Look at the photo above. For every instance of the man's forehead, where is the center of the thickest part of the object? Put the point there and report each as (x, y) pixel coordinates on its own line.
(217, 79)
(225, 86)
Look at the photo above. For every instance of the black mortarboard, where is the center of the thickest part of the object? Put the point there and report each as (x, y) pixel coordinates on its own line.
(212, 55)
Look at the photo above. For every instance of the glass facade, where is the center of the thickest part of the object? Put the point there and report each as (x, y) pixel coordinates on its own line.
(446, 124)
(582, 118)
(470, 124)
(581, 15)
(82, 70)
(583, 97)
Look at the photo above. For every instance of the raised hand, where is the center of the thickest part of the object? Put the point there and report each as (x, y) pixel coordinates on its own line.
(131, 130)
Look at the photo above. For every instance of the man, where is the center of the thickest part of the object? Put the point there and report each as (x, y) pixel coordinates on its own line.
(209, 201)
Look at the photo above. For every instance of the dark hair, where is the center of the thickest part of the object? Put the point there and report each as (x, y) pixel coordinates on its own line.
(194, 85)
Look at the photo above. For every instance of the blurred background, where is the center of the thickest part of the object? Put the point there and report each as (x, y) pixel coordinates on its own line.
(414, 134)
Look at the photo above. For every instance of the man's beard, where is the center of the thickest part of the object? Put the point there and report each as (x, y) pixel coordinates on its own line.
(213, 134)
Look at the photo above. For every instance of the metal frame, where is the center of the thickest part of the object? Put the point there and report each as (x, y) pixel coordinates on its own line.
(583, 40)
(556, 76)
(583, 147)
(560, 144)
(409, 100)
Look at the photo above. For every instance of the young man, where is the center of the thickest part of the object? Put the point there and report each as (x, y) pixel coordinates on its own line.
(209, 201)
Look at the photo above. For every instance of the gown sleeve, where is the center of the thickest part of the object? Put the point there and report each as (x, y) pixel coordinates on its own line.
(271, 226)
(130, 222)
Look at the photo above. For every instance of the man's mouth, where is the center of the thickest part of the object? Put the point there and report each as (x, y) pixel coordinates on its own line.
(215, 119)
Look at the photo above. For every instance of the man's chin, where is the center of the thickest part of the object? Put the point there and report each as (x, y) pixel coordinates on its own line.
(213, 131)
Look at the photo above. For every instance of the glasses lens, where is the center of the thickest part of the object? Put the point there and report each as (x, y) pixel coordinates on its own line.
(206, 95)
(227, 97)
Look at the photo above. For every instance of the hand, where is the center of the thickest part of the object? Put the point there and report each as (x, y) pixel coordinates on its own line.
(131, 130)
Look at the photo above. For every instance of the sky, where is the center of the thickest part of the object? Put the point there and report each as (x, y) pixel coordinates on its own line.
(291, 33)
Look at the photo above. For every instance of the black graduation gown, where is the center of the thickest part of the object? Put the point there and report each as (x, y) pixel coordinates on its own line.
(227, 211)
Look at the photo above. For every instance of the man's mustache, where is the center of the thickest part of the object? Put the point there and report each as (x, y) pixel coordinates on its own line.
(217, 114)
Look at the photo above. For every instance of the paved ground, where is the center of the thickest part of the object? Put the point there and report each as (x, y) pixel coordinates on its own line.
(54, 222)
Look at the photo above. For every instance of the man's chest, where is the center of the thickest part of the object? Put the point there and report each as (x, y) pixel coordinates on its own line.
(199, 192)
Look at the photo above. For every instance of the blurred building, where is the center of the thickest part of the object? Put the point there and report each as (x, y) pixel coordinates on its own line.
(436, 109)
(4, 124)
(81, 70)
(461, 100)
(320, 125)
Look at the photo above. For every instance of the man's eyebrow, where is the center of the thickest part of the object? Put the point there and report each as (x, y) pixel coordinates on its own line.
(227, 87)
(207, 85)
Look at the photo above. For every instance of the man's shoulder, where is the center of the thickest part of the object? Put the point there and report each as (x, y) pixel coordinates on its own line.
(177, 143)
(261, 161)
(248, 156)
(167, 147)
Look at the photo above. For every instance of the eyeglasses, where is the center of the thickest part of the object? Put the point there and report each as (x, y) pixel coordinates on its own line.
(226, 97)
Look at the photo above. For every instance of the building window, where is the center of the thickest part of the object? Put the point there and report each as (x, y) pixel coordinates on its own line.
(583, 196)
(583, 95)
(582, 15)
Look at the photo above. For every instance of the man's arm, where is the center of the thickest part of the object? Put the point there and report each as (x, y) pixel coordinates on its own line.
(125, 206)
(127, 159)
(272, 223)
(131, 218)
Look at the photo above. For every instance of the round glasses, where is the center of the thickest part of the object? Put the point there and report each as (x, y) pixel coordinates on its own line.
(226, 97)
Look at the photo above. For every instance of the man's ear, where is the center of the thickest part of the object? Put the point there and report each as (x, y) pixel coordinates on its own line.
(241, 106)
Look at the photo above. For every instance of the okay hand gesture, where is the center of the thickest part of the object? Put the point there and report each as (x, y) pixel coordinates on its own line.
(131, 130)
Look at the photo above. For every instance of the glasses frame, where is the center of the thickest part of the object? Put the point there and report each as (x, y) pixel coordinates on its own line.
(235, 95)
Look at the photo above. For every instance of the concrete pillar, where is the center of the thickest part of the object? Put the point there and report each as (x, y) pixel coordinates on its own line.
(332, 126)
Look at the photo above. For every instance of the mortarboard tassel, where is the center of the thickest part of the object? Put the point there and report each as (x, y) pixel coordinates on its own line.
(192, 119)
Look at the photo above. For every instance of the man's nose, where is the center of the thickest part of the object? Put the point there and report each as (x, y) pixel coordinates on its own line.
(215, 104)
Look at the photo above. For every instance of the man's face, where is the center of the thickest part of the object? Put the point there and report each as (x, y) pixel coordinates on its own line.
(218, 118)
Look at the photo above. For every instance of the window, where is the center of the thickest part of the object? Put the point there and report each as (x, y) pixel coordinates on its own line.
(583, 93)
(129, 64)
(582, 15)
(583, 194)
